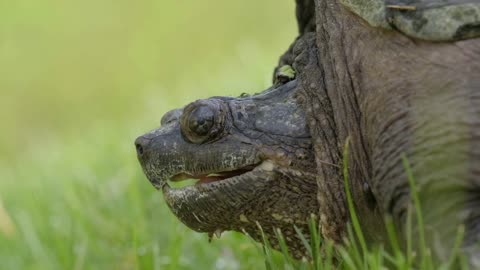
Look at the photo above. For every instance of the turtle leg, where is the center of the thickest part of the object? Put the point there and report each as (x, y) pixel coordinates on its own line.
(305, 14)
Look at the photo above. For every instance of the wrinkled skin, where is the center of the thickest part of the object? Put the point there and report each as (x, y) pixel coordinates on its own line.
(391, 95)
(259, 148)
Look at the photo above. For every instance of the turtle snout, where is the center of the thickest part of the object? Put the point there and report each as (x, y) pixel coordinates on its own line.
(142, 144)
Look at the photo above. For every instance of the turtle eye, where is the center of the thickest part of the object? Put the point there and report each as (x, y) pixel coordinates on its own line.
(203, 120)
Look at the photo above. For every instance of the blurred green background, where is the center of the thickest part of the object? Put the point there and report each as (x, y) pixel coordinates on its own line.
(79, 80)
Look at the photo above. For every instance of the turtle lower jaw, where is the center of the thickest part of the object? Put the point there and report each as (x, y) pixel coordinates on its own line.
(211, 204)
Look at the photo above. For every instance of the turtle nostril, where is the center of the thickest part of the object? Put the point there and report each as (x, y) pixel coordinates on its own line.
(139, 149)
(140, 144)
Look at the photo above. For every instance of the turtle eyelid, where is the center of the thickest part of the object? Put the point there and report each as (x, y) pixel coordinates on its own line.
(171, 116)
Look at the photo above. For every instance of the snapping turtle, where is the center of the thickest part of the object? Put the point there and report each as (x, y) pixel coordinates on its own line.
(366, 70)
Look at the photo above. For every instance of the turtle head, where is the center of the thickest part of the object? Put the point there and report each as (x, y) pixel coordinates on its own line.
(252, 159)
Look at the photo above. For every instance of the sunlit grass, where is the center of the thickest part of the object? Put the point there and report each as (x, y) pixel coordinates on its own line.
(79, 81)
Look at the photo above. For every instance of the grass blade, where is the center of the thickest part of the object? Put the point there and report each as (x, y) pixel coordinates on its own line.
(425, 253)
(284, 248)
(267, 250)
(456, 247)
(351, 207)
(304, 241)
(315, 242)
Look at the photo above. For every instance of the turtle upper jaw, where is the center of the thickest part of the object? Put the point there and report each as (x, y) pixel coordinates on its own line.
(165, 156)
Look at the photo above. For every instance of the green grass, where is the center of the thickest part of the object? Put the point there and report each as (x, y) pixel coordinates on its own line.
(79, 81)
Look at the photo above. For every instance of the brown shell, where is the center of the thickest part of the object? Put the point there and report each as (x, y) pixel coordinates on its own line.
(435, 20)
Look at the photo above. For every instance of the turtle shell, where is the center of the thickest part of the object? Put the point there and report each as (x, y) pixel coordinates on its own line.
(436, 20)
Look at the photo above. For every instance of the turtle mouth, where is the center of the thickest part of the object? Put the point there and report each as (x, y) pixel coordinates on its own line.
(210, 177)
(215, 200)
